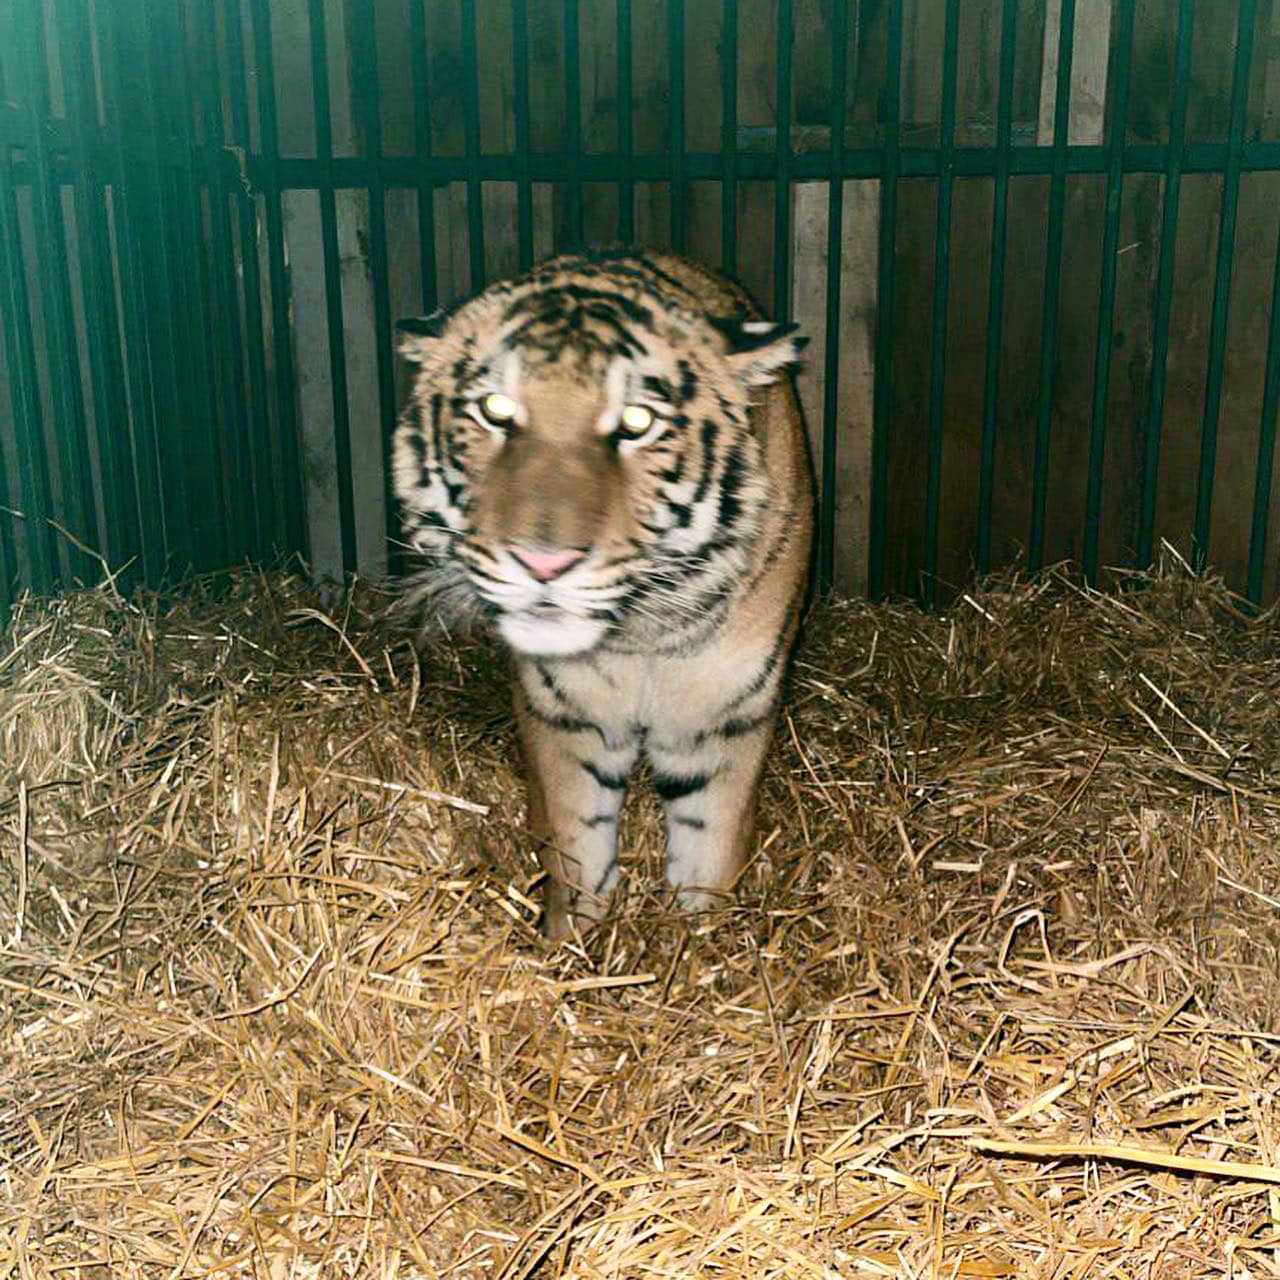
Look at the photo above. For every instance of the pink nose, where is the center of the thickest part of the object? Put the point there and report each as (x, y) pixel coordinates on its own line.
(546, 563)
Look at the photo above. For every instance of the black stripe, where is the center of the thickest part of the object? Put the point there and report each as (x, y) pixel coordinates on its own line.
(612, 781)
(694, 824)
(604, 879)
(566, 724)
(599, 820)
(671, 787)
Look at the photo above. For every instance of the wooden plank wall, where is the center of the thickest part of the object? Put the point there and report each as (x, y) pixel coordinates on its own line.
(965, 330)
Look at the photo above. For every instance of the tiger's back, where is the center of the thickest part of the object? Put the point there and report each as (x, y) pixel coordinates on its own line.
(610, 455)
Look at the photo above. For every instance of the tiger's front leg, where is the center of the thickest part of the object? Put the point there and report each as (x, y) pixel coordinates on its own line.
(708, 786)
(577, 781)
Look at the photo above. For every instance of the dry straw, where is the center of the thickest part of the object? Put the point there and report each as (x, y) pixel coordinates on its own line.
(1001, 996)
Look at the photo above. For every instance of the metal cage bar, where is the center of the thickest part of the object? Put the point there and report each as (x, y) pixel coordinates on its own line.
(835, 246)
(729, 137)
(1052, 286)
(1222, 284)
(882, 408)
(1175, 157)
(333, 285)
(291, 528)
(1118, 111)
(626, 127)
(941, 301)
(995, 282)
(421, 80)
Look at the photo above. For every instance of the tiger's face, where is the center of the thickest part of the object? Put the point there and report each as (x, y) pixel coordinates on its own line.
(577, 455)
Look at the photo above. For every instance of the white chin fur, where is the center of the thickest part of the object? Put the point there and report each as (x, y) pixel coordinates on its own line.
(548, 637)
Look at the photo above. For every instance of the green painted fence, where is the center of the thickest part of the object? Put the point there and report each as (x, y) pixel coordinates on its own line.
(1037, 240)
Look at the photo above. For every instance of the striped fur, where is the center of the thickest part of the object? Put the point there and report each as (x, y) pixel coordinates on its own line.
(670, 632)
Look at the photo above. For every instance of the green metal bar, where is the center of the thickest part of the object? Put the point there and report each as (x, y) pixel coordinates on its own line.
(259, 457)
(995, 281)
(1266, 446)
(977, 161)
(127, 193)
(815, 166)
(675, 116)
(34, 487)
(239, 498)
(369, 111)
(149, 222)
(422, 149)
(729, 139)
(835, 245)
(626, 128)
(1118, 109)
(1222, 283)
(70, 424)
(121, 535)
(287, 468)
(1052, 286)
(333, 287)
(208, 476)
(941, 300)
(471, 133)
(573, 118)
(782, 178)
(524, 185)
(883, 395)
(1164, 282)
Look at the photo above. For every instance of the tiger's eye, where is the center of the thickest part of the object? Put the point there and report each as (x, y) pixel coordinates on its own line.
(636, 418)
(498, 408)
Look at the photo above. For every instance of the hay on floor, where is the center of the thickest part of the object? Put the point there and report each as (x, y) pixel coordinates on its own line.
(1001, 996)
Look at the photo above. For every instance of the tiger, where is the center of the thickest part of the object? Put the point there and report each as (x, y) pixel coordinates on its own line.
(604, 459)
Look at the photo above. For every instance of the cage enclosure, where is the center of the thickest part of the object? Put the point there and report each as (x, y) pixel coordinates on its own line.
(1033, 241)
(998, 993)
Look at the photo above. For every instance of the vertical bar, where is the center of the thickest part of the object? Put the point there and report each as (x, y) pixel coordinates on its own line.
(333, 284)
(70, 423)
(941, 299)
(524, 184)
(422, 147)
(995, 280)
(573, 118)
(149, 221)
(883, 399)
(293, 528)
(1118, 107)
(782, 180)
(369, 112)
(1266, 445)
(244, 543)
(254, 333)
(1222, 283)
(121, 535)
(1052, 285)
(626, 127)
(34, 487)
(675, 142)
(835, 244)
(728, 140)
(471, 134)
(1174, 155)
(129, 191)
(210, 480)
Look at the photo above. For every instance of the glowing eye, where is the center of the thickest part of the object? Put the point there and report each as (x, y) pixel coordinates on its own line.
(498, 409)
(636, 419)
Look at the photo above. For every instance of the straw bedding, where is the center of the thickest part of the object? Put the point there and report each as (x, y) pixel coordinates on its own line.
(1001, 995)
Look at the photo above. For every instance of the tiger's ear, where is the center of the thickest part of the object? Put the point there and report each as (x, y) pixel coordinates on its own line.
(415, 335)
(759, 350)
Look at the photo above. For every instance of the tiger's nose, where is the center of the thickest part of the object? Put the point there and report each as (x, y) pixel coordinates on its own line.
(545, 563)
